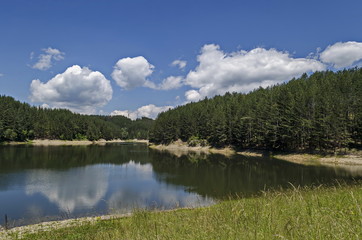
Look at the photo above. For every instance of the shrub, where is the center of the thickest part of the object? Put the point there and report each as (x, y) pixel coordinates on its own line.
(196, 142)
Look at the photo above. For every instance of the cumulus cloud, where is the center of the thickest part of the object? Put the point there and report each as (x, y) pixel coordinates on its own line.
(44, 105)
(179, 63)
(126, 113)
(78, 89)
(341, 54)
(171, 82)
(46, 59)
(130, 73)
(133, 72)
(150, 111)
(193, 95)
(243, 71)
(1, 75)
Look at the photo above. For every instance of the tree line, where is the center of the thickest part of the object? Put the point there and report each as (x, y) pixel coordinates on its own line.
(20, 122)
(322, 112)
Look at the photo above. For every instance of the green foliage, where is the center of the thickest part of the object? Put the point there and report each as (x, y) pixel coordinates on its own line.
(21, 122)
(194, 141)
(10, 135)
(320, 112)
(79, 136)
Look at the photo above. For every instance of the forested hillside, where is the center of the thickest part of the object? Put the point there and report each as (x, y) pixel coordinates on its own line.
(319, 112)
(20, 121)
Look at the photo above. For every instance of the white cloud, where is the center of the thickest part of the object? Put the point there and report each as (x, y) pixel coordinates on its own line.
(171, 82)
(44, 105)
(130, 73)
(45, 60)
(179, 63)
(133, 72)
(150, 111)
(243, 71)
(125, 113)
(1, 75)
(78, 89)
(342, 55)
(193, 96)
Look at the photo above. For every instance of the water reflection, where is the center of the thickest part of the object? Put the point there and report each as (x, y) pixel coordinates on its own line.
(76, 188)
(18, 158)
(45, 182)
(219, 177)
(137, 188)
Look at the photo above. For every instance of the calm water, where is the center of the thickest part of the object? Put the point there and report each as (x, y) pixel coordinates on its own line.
(48, 183)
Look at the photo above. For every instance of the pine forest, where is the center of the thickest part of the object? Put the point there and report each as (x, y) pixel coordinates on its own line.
(321, 112)
(20, 122)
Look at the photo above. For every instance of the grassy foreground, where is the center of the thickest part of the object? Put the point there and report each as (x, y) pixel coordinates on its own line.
(319, 213)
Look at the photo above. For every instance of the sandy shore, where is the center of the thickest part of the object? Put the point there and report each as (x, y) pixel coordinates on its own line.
(47, 142)
(52, 225)
(309, 159)
(180, 148)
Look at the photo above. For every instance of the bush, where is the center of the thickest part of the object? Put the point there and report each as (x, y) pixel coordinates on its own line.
(10, 135)
(196, 142)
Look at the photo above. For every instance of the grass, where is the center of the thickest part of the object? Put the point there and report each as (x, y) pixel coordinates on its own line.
(318, 213)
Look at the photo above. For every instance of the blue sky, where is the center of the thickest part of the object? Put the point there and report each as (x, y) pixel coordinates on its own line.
(116, 56)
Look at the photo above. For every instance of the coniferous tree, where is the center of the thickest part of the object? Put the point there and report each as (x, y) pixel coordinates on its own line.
(322, 111)
(20, 121)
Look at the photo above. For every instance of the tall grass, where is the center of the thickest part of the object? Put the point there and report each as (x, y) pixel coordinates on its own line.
(319, 213)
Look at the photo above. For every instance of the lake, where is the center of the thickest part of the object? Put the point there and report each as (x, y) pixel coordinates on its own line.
(58, 182)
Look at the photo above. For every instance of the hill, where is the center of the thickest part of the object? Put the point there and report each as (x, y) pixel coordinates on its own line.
(318, 112)
(20, 122)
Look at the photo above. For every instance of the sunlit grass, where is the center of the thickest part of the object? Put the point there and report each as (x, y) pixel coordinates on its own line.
(319, 213)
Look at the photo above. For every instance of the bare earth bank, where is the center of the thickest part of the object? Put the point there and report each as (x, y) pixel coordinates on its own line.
(352, 159)
(179, 148)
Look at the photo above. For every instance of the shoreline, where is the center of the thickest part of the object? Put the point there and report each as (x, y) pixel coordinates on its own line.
(180, 148)
(57, 224)
(352, 160)
(49, 142)
(72, 222)
(293, 205)
(314, 159)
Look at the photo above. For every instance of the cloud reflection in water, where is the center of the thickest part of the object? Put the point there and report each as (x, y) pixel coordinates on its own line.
(123, 187)
(73, 189)
(144, 191)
